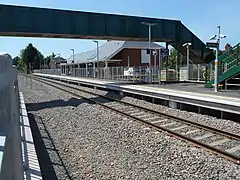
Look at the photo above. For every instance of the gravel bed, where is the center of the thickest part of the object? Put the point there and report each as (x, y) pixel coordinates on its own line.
(211, 139)
(95, 143)
(237, 153)
(226, 125)
(197, 134)
(174, 126)
(222, 124)
(228, 145)
(186, 129)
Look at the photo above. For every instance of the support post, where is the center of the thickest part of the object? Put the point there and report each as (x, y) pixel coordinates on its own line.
(106, 70)
(94, 70)
(150, 53)
(155, 65)
(178, 64)
(216, 62)
(160, 66)
(188, 62)
(237, 54)
(86, 70)
(199, 72)
(166, 63)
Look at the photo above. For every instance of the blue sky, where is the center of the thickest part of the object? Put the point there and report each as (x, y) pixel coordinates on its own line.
(201, 17)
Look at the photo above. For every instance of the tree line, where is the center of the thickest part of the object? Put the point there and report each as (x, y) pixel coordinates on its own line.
(31, 58)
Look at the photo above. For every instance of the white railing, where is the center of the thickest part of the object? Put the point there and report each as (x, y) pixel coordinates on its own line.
(11, 163)
(133, 74)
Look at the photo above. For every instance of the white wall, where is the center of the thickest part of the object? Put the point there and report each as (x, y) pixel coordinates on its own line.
(144, 56)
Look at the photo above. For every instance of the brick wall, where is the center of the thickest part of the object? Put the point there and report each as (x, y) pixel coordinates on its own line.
(134, 56)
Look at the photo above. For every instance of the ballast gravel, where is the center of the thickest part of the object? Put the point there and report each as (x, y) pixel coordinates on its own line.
(223, 124)
(85, 141)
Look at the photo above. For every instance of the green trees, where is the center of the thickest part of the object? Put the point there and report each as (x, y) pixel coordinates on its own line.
(30, 58)
(172, 58)
(16, 60)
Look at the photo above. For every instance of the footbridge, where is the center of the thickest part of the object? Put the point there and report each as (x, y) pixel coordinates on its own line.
(53, 23)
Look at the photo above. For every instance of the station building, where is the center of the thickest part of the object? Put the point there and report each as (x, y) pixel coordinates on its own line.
(115, 53)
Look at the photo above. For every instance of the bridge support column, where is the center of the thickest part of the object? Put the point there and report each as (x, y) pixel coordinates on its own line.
(178, 65)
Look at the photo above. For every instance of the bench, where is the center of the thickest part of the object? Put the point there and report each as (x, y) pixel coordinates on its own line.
(220, 86)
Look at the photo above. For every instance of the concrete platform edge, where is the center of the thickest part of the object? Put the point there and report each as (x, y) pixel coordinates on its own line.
(31, 164)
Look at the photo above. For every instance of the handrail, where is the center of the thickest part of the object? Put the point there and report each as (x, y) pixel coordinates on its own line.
(233, 48)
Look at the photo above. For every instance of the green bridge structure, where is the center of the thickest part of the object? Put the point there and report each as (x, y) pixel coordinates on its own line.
(53, 23)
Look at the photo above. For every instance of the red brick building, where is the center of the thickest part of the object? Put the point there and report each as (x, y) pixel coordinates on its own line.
(55, 63)
(118, 53)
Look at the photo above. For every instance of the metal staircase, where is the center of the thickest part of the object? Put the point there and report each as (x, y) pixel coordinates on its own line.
(229, 68)
(233, 82)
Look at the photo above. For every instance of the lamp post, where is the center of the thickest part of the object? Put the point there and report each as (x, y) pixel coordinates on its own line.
(149, 41)
(187, 45)
(217, 37)
(155, 62)
(73, 55)
(97, 58)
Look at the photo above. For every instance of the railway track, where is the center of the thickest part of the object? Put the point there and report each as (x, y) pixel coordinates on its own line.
(222, 143)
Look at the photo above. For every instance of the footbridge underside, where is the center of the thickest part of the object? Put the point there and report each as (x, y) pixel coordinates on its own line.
(53, 23)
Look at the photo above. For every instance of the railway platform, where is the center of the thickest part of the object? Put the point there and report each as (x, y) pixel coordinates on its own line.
(185, 96)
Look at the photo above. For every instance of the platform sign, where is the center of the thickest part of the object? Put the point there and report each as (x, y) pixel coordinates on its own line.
(164, 52)
(212, 44)
(128, 71)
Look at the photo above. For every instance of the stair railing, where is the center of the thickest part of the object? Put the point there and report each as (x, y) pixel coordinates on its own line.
(227, 61)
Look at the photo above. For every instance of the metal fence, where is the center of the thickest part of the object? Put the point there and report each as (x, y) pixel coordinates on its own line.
(134, 74)
(11, 164)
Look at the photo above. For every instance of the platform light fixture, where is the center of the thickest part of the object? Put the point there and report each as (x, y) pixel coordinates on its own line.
(72, 55)
(149, 41)
(97, 58)
(187, 45)
(217, 37)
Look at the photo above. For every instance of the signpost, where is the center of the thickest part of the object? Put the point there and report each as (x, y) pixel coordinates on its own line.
(164, 53)
(211, 44)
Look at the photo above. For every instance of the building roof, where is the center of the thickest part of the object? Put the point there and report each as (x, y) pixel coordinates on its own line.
(59, 59)
(108, 50)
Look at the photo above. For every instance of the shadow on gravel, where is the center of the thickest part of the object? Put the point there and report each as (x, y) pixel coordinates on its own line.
(55, 103)
(74, 102)
(46, 165)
